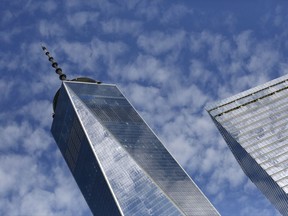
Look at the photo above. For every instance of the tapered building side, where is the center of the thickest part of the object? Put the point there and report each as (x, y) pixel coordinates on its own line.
(254, 124)
(119, 164)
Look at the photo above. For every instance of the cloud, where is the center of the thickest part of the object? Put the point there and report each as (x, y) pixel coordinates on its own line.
(95, 56)
(235, 60)
(38, 110)
(49, 6)
(7, 36)
(23, 137)
(210, 159)
(144, 68)
(105, 7)
(217, 50)
(185, 96)
(50, 29)
(244, 42)
(199, 73)
(79, 19)
(174, 13)
(6, 17)
(263, 58)
(121, 26)
(12, 134)
(186, 153)
(148, 10)
(34, 191)
(7, 63)
(157, 43)
(6, 86)
(275, 18)
(137, 93)
(230, 20)
(11, 166)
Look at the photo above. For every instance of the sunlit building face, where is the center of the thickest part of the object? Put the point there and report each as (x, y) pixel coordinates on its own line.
(254, 124)
(119, 164)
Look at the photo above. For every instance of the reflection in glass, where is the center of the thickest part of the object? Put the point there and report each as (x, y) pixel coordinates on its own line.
(110, 144)
(260, 117)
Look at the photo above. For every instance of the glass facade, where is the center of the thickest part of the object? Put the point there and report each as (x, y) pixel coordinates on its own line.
(254, 124)
(113, 154)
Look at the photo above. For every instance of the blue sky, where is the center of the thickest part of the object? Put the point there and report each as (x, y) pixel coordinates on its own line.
(170, 58)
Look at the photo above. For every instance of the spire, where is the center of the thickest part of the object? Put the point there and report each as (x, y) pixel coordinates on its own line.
(58, 70)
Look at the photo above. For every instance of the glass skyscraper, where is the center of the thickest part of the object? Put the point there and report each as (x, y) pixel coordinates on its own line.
(119, 164)
(254, 124)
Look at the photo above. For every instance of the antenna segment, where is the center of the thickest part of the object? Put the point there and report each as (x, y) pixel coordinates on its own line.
(54, 64)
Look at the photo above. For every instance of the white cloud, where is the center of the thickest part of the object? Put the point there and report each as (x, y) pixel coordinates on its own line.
(217, 49)
(190, 96)
(249, 187)
(9, 61)
(210, 159)
(198, 40)
(230, 20)
(105, 7)
(183, 150)
(130, 4)
(6, 17)
(121, 26)
(225, 170)
(247, 81)
(108, 50)
(144, 68)
(283, 68)
(157, 43)
(199, 72)
(37, 141)
(7, 36)
(88, 55)
(241, 54)
(22, 136)
(44, 202)
(38, 110)
(6, 86)
(79, 19)
(256, 211)
(49, 6)
(12, 134)
(148, 9)
(277, 16)
(142, 96)
(240, 62)
(244, 43)
(9, 171)
(220, 48)
(28, 189)
(263, 58)
(175, 13)
(50, 29)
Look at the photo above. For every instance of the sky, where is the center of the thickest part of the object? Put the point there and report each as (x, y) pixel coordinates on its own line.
(170, 59)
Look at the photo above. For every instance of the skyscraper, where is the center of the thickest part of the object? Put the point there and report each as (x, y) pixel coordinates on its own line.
(254, 124)
(119, 164)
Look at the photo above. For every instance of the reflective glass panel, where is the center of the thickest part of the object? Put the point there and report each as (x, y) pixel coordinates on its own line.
(142, 174)
(254, 124)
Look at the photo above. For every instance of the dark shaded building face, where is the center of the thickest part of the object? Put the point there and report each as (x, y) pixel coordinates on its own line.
(119, 164)
(254, 124)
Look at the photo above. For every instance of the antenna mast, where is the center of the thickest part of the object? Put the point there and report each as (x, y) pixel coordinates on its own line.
(54, 64)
